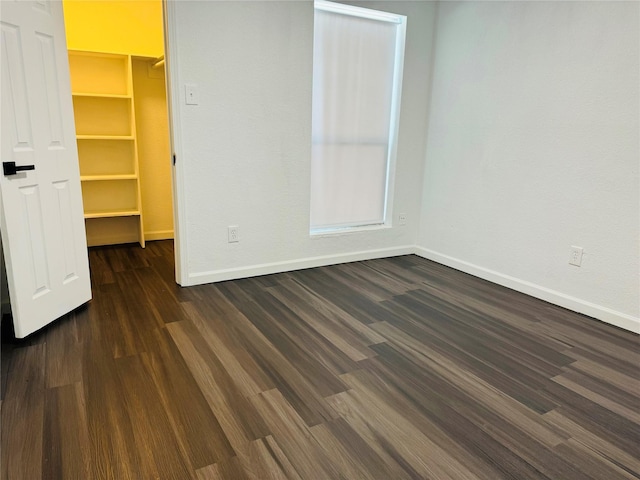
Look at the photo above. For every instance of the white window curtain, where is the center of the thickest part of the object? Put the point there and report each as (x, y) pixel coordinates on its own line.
(355, 77)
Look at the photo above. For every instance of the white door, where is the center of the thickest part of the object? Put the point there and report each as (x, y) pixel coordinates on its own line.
(43, 235)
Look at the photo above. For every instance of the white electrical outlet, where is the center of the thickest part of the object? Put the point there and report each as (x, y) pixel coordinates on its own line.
(233, 233)
(402, 219)
(575, 256)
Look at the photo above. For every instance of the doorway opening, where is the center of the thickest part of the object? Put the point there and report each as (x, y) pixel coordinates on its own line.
(118, 83)
(43, 241)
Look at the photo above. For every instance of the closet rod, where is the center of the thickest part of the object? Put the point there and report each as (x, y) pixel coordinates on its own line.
(159, 62)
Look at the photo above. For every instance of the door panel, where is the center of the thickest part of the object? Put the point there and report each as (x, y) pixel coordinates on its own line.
(52, 90)
(42, 221)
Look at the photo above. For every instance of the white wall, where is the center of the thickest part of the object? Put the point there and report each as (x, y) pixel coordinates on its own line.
(530, 128)
(533, 146)
(244, 151)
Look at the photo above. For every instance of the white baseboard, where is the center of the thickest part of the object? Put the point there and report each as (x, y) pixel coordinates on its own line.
(288, 266)
(607, 315)
(604, 314)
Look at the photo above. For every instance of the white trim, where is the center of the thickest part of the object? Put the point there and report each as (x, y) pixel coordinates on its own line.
(396, 101)
(604, 314)
(337, 231)
(394, 123)
(357, 11)
(607, 315)
(291, 265)
(173, 82)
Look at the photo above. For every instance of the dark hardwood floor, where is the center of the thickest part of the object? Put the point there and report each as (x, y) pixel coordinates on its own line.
(388, 369)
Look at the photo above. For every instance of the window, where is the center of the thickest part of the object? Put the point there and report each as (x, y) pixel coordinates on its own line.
(357, 75)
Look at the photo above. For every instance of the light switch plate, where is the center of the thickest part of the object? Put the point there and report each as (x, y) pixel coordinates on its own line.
(191, 94)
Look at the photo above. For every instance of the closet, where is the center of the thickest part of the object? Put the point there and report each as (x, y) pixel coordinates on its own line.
(120, 109)
(104, 110)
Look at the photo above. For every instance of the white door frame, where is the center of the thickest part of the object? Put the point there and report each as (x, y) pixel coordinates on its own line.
(174, 103)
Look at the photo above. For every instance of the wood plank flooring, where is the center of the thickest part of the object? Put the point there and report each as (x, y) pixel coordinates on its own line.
(397, 368)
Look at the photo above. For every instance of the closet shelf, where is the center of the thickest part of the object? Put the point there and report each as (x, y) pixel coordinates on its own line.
(104, 111)
(105, 137)
(112, 213)
(97, 178)
(100, 95)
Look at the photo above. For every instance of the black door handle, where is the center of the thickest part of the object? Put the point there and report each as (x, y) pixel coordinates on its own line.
(10, 168)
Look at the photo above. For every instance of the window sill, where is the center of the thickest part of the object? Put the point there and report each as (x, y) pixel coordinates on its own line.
(336, 232)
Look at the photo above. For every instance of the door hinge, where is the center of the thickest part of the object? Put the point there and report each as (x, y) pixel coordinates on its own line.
(174, 158)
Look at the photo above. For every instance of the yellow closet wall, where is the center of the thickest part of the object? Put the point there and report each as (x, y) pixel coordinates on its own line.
(153, 150)
(134, 27)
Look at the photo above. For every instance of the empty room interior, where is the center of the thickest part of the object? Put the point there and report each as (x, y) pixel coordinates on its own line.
(330, 240)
